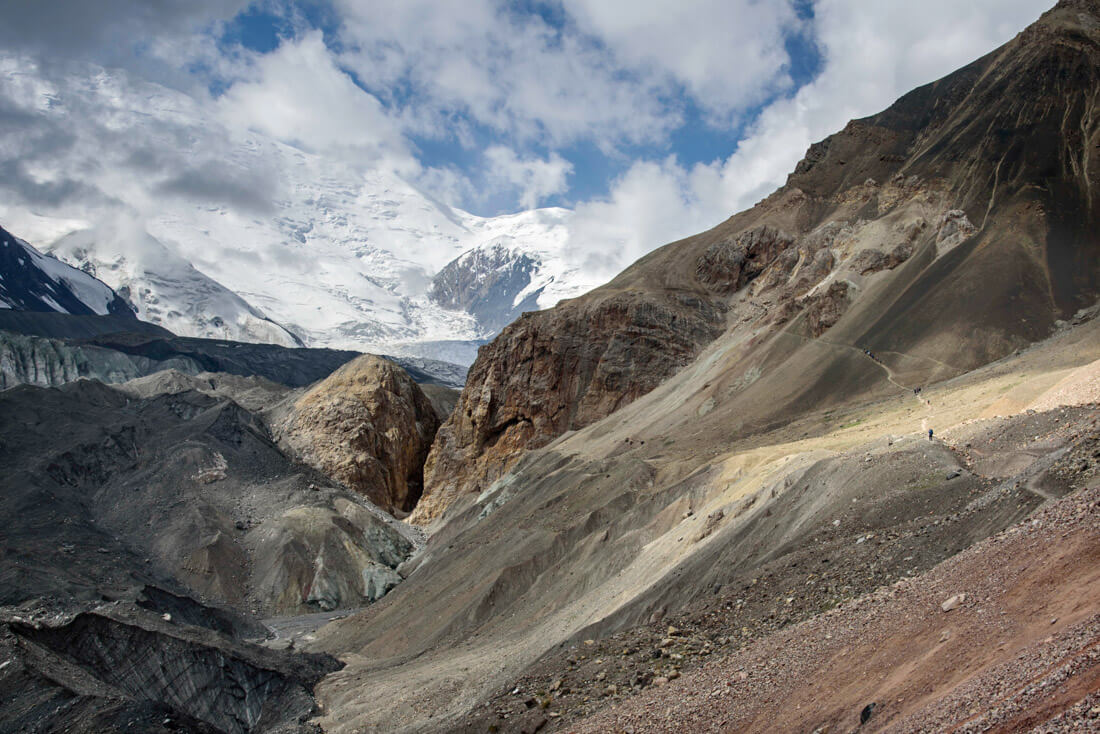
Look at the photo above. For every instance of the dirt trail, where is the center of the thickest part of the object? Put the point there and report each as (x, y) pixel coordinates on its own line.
(890, 374)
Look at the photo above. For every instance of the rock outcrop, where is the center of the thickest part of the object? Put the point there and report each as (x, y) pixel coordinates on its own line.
(368, 426)
(486, 282)
(729, 265)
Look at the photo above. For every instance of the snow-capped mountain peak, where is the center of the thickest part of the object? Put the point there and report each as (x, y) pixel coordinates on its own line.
(255, 239)
(32, 281)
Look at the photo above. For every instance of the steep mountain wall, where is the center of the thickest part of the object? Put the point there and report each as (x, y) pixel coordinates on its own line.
(951, 229)
(31, 281)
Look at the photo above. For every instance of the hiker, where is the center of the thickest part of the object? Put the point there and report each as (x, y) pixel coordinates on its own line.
(929, 434)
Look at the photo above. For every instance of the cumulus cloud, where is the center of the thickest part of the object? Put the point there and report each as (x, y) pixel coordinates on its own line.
(511, 72)
(534, 178)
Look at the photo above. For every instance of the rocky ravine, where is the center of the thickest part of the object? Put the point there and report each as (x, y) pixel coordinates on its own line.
(191, 485)
(930, 233)
(149, 525)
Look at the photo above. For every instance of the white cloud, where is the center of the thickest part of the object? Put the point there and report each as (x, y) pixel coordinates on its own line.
(299, 96)
(728, 54)
(512, 73)
(873, 53)
(535, 178)
(78, 28)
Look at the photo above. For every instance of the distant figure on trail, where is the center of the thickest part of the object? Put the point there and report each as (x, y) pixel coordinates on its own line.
(929, 434)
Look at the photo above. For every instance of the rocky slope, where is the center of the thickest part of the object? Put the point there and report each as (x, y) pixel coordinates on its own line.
(1001, 637)
(368, 426)
(952, 228)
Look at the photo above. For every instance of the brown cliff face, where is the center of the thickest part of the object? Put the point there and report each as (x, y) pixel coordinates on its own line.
(979, 188)
(369, 426)
(556, 371)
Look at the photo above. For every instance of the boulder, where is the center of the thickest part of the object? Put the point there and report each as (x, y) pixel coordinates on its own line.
(953, 602)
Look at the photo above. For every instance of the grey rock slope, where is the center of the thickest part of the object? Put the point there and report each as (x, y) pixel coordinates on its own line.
(32, 360)
(69, 326)
(187, 486)
(121, 667)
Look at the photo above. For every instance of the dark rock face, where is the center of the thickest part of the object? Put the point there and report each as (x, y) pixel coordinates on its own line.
(68, 326)
(729, 265)
(485, 283)
(35, 282)
(230, 686)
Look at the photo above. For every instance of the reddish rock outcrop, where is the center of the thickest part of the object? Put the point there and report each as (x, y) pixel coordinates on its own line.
(559, 370)
(369, 426)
